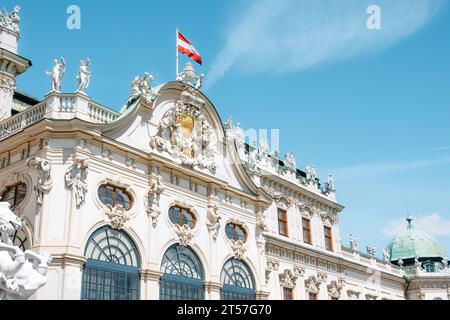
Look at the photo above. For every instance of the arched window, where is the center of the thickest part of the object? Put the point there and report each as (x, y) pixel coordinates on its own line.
(235, 232)
(237, 280)
(181, 216)
(182, 275)
(112, 195)
(112, 269)
(15, 194)
(20, 239)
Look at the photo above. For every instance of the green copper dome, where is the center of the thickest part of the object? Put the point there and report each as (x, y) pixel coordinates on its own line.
(411, 244)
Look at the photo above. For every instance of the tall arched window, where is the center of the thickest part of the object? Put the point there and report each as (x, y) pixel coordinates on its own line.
(237, 280)
(112, 269)
(183, 275)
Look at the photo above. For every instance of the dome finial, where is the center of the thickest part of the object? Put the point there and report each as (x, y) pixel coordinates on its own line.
(409, 219)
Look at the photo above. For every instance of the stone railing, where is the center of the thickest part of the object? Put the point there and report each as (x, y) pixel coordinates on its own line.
(58, 106)
(367, 260)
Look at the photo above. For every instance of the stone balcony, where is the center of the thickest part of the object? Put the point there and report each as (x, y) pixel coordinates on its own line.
(60, 106)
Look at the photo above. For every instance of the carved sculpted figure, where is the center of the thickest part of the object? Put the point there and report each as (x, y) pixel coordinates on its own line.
(152, 198)
(19, 278)
(75, 178)
(44, 182)
(353, 242)
(386, 255)
(140, 86)
(84, 75)
(10, 20)
(57, 74)
(289, 161)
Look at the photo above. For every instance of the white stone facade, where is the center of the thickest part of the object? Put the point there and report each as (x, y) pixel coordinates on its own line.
(168, 147)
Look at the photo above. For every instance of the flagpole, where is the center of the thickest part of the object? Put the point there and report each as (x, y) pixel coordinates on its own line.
(176, 48)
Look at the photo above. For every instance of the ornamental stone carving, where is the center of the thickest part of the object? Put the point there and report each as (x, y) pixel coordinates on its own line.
(75, 179)
(288, 279)
(237, 135)
(11, 20)
(141, 87)
(272, 265)
(151, 200)
(7, 84)
(213, 222)
(44, 181)
(21, 273)
(312, 284)
(186, 135)
(321, 277)
(299, 271)
(117, 215)
(184, 234)
(371, 251)
(334, 289)
(238, 248)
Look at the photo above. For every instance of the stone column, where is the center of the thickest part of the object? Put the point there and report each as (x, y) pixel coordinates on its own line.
(213, 290)
(150, 284)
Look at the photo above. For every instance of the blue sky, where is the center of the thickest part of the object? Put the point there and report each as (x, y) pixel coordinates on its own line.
(370, 106)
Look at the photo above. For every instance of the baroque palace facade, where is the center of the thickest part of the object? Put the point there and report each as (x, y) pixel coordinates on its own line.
(163, 200)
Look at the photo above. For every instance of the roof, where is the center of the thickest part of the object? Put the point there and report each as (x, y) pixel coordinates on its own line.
(413, 244)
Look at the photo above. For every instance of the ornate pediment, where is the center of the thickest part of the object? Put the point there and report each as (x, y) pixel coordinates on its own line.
(334, 289)
(288, 279)
(185, 133)
(312, 285)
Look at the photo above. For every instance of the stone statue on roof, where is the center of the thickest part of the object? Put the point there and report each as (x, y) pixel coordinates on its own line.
(11, 20)
(57, 74)
(84, 75)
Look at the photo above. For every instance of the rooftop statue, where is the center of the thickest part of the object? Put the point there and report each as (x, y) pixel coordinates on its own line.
(84, 76)
(353, 242)
(289, 161)
(141, 87)
(11, 20)
(311, 173)
(57, 74)
(330, 183)
(21, 273)
(386, 255)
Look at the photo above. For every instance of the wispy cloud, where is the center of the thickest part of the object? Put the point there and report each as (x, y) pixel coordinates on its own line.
(376, 169)
(433, 224)
(292, 35)
(436, 149)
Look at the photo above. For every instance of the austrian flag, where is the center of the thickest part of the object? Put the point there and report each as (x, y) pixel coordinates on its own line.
(186, 48)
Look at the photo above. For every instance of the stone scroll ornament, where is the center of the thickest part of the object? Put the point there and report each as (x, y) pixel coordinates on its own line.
(44, 181)
(186, 135)
(75, 179)
(21, 273)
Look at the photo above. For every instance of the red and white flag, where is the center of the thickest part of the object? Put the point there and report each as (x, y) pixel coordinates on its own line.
(185, 47)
